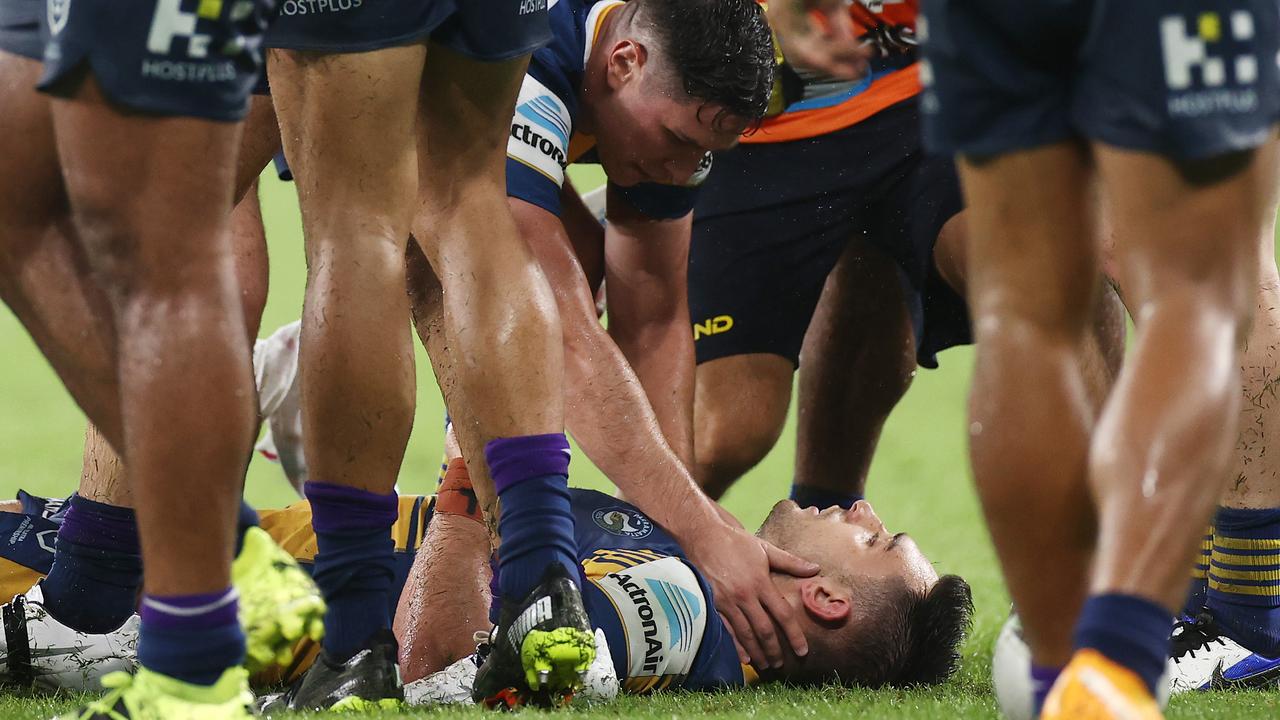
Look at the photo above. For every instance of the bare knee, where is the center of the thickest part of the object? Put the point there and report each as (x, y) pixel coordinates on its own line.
(739, 414)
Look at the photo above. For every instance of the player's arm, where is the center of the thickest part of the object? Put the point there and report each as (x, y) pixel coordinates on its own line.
(646, 267)
(609, 415)
(818, 35)
(446, 596)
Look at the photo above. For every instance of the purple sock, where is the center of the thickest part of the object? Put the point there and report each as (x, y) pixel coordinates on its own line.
(192, 638)
(1132, 631)
(1042, 680)
(531, 475)
(355, 563)
(97, 568)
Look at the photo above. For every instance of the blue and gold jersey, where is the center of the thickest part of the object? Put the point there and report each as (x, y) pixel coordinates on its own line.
(544, 140)
(27, 540)
(655, 608)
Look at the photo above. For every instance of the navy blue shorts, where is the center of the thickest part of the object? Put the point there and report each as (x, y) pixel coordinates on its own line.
(191, 58)
(1187, 79)
(22, 28)
(486, 30)
(773, 219)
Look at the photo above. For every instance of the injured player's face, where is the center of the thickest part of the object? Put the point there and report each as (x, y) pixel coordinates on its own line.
(877, 613)
(848, 543)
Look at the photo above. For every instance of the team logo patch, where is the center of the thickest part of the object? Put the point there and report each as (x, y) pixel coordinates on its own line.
(1210, 63)
(623, 521)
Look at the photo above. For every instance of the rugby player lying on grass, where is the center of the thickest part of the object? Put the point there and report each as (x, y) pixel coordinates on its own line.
(877, 614)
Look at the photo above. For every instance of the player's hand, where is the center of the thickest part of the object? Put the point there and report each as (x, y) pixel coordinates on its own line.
(826, 43)
(737, 565)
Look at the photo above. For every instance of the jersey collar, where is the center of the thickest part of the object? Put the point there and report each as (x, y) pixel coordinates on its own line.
(595, 19)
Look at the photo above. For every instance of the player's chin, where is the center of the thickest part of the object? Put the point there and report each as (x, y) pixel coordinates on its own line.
(777, 519)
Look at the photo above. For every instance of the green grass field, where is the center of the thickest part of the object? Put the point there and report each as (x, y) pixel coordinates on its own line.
(919, 483)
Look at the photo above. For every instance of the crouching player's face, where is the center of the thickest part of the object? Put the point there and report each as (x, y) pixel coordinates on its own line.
(877, 613)
(648, 129)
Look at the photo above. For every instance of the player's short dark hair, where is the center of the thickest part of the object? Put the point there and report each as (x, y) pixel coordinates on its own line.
(722, 50)
(904, 638)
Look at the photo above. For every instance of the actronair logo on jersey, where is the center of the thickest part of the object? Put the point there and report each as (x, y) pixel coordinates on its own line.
(540, 130)
(664, 616)
(1210, 63)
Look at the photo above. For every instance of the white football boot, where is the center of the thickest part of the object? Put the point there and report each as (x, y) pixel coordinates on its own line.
(452, 686)
(37, 649)
(1203, 658)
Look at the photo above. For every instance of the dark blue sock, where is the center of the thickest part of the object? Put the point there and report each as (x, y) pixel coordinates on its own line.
(248, 519)
(1131, 631)
(820, 498)
(1244, 578)
(355, 563)
(1199, 587)
(193, 638)
(1042, 680)
(531, 475)
(97, 569)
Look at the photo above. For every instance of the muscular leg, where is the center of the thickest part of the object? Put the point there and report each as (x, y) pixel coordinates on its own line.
(356, 176)
(1255, 473)
(1163, 447)
(512, 382)
(739, 409)
(44, 277)
(1032, 272)
(499, 316)
(857, 362)
(1249, 512)
(160, 249)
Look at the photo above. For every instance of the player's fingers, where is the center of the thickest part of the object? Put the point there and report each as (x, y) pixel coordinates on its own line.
(743, 657)
(743, 634)
(766, 635)
(783, 561)
(785, 617)
(840, 25)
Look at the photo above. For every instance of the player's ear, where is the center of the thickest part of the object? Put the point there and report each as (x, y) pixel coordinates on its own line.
(824, 600)
(625, 62)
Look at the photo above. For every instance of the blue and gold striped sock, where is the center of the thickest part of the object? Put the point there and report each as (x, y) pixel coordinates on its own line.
(1199, 588)
(1244, 577)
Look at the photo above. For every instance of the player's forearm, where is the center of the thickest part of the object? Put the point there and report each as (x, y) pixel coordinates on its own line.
(661, 354)
(609, 415)
(446, 598)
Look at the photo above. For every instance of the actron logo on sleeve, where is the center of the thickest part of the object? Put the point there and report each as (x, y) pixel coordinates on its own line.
(540, 131)
(664, 615)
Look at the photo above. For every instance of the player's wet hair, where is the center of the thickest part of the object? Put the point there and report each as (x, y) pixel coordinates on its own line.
(722, 50)
(904, 638)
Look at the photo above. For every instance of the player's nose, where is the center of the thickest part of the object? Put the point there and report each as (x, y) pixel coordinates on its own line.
(862, 514)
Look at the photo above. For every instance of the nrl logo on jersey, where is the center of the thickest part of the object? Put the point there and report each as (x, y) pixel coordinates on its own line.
(623, 522)
(59, 11)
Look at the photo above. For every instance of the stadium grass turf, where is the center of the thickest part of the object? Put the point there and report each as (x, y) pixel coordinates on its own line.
(919, 483)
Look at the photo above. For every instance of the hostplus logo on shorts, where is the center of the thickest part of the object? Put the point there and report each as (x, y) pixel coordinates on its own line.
(184, 52)
(623, 521)
(1210, 63)
(528, 7)
(316, 7)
